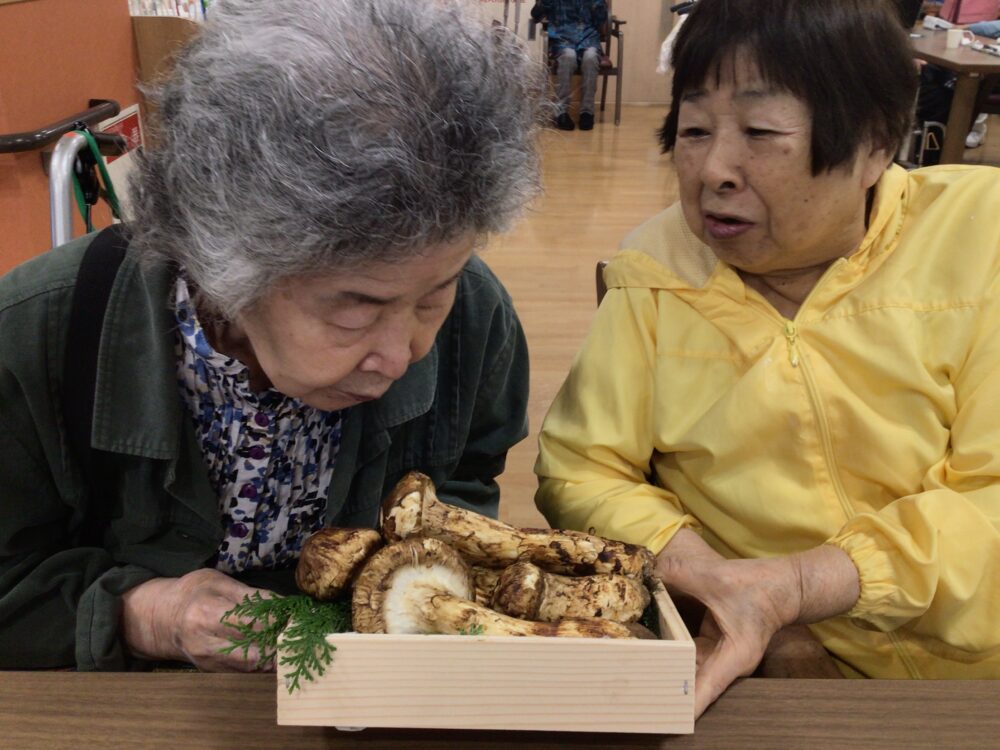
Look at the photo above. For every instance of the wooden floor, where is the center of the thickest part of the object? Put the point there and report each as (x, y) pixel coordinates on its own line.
(989, 152)
(598, 186)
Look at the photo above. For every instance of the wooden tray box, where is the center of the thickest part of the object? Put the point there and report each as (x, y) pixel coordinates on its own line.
(482, 682)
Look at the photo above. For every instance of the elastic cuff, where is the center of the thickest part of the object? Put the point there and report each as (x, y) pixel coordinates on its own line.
(879, 593)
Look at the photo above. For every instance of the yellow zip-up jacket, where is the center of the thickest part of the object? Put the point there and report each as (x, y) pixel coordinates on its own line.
(871, 421)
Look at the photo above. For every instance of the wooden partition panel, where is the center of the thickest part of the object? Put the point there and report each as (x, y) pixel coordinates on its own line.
(54, 56)
(648, 23)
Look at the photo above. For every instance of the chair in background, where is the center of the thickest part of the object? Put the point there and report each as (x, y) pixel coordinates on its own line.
(607, 68)
(602, 288)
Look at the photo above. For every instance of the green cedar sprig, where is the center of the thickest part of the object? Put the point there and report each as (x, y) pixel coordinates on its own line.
(305, 622)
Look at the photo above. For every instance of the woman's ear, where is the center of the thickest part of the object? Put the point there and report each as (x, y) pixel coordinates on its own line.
(873, 166)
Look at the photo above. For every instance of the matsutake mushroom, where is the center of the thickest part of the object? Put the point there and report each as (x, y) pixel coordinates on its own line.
(485, 580)
(424, 586)
(331, 558)
(525, 590)
(413, 509)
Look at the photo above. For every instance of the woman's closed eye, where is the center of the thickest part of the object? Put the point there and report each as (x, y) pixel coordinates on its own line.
(761, 132)
(693, 132)
(356, 317)
(441, 298)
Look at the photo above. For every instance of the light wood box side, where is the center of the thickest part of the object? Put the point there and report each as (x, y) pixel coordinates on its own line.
(672, 627)
(479, 682)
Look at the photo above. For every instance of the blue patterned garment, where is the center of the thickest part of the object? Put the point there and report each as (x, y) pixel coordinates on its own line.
(269, 457)
(574, 24)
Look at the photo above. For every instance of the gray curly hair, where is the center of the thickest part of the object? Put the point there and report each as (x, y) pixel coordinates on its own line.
(314, 135)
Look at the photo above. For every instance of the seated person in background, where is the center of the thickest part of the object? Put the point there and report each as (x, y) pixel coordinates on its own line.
(790, 392)
(989, 29)
(299, 320)
(574, 40)
(937, 88)
(977, 135)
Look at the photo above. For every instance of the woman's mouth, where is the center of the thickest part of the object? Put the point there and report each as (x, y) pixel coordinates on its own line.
(722, 227)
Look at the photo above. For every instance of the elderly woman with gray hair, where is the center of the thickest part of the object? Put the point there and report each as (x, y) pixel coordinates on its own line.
(297, 320)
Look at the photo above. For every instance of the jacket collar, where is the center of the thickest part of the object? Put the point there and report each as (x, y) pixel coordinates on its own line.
(409, 397)
(137, 406)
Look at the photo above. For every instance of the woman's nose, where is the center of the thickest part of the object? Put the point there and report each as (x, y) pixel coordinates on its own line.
(394, 348)
(389, 358)
(722, 169)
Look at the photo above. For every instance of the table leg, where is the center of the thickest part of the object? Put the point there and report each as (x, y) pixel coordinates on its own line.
(966, 88)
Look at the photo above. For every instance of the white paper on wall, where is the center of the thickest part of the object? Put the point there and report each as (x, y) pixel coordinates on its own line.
(127, 124)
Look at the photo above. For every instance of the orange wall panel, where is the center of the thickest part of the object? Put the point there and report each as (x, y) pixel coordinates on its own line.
(55, 55)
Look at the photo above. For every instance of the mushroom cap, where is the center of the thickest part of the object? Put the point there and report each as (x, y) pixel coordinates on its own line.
(519, 591)
(330, 558)
(380, 604)
(401, 511)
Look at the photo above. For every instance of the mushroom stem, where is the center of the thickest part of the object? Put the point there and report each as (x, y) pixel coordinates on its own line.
(424, 586)
(441, 612)
(525, 590)
(414, 509)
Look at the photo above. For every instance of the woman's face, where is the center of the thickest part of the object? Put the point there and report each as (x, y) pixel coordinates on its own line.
(743, 161)
(336, 340)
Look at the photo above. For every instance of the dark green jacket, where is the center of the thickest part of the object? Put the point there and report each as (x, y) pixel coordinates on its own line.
(453, 415)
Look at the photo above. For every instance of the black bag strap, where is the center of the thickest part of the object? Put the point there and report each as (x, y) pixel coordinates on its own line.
(94, 280)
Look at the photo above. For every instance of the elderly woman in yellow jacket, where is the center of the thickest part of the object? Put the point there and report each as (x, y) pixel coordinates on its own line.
(791, 392)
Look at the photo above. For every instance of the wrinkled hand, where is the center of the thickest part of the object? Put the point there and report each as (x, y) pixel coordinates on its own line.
(178, 619)
(748, 601)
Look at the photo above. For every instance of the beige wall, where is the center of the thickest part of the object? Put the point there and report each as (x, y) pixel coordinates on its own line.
(647, 23)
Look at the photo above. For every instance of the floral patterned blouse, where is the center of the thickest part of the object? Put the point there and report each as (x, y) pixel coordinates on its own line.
(270, 457)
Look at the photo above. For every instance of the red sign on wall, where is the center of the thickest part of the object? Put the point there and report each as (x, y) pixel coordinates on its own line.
(128, 128)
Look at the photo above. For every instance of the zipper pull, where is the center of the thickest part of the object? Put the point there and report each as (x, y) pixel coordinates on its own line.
(791, 335)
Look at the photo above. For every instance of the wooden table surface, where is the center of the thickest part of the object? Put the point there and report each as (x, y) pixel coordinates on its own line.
(189, 710)
(970, 66)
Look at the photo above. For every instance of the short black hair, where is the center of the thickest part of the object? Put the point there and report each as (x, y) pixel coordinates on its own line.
(850, 61)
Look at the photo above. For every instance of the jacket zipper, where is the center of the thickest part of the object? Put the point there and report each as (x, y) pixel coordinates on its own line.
(791, 336)
(824, 434)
